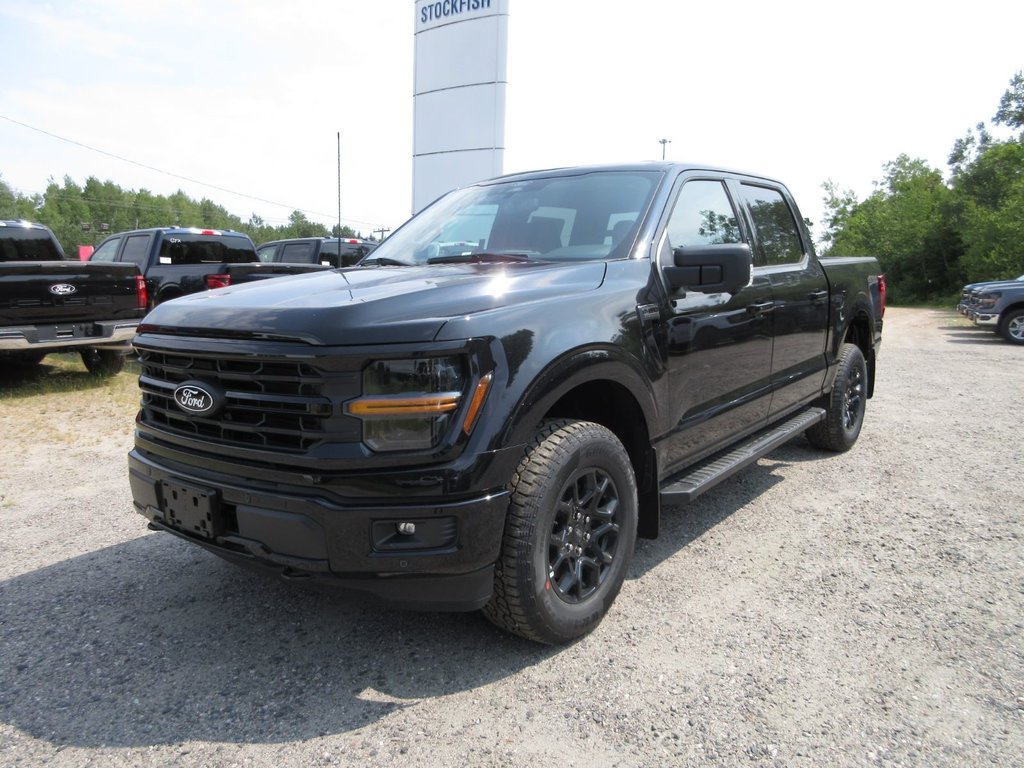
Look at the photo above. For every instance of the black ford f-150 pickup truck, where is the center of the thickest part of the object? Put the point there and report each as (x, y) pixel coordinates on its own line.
(180, 260)
(49, 303)
(491, 407)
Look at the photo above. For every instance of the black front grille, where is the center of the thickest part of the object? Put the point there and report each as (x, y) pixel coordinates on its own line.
(271, 404)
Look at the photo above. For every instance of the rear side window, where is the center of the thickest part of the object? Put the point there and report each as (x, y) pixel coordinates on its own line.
(24, 244)
(206, 249)
(136, 250)
(778, 237)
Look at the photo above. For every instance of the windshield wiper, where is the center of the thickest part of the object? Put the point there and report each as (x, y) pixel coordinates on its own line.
(383, 261)
(479, 258)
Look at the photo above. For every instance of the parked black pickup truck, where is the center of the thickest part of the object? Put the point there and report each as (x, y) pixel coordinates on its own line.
(181, 260)
(329, 251)
(491, 408)
(49, 303)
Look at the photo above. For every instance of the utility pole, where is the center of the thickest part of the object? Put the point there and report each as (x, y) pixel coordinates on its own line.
(663, 142)
(381, 231)
(339, 183)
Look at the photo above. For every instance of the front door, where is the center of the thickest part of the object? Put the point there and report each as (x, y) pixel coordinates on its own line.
(719, 346)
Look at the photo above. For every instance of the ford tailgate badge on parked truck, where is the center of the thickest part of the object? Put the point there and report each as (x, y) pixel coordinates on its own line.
(62, 289)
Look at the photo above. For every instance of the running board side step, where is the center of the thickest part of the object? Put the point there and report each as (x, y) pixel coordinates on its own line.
(724, 465)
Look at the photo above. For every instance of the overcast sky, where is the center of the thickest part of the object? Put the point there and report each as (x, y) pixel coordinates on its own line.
(248, 97)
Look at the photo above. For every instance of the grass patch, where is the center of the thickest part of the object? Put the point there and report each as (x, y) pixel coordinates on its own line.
(937, 302)
(65, 373)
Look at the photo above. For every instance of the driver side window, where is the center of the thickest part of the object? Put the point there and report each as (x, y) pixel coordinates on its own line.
(703, 215)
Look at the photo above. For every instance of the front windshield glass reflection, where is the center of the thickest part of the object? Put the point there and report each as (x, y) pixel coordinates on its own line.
(581, 217)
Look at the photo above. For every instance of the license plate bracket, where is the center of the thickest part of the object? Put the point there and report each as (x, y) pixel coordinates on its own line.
(191, 509)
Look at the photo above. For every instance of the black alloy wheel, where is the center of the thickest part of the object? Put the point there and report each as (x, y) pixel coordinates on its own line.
(585, 535)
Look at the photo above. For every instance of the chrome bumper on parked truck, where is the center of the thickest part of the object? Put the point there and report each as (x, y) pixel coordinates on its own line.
(104, 334)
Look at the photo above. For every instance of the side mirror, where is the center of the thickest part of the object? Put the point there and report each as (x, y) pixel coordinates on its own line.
(723, 268)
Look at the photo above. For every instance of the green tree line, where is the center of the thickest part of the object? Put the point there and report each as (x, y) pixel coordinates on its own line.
(83, 215)
(933, 234)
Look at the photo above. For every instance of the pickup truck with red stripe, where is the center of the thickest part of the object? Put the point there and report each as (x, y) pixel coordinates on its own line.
(181, 260)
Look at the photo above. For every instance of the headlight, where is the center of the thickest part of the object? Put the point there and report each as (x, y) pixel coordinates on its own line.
(988, 300)
(408, 405)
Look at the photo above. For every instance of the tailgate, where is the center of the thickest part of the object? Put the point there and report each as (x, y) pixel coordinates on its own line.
(243, 273)
(66, 291)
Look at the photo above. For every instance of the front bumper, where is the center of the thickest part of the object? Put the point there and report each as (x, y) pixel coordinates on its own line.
(104, 334)
(444, 561)
(985, 318)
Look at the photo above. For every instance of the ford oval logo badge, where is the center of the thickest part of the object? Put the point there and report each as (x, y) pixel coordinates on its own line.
(62, 289)
(198, 398)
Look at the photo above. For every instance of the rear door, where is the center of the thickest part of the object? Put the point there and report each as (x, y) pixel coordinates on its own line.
(800, 294)
(136, 249)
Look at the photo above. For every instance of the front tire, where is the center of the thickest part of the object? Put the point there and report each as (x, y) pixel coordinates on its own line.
(1011, 327)
(569, 534)
(103, 362)
(844, 405)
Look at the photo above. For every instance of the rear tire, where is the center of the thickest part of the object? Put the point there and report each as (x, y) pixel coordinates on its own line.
(844, 405)
(103, 362)
(1011, 327)
(569, 534)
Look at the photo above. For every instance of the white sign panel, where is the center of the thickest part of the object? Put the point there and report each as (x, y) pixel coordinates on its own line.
(460, 82)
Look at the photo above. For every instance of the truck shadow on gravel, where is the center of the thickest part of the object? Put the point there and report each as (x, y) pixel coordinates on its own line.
(683, 524)
(960, 335)
(155, 642)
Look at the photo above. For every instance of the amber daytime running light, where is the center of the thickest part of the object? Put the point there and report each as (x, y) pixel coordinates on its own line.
(409, 404)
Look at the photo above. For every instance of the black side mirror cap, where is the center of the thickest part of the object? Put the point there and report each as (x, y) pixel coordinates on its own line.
(720, 268)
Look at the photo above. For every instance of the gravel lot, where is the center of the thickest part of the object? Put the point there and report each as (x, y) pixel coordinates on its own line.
(857, 609)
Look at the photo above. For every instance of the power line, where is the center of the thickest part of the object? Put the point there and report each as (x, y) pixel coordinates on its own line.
(174, 175)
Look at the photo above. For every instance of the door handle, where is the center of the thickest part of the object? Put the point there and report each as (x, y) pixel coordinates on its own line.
(818, 297)
(761, 307)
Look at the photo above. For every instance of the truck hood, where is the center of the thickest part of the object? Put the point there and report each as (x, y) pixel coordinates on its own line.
(369, 305)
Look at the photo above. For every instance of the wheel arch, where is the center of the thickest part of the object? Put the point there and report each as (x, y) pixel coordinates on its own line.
(1019, 304)
(167, 293)
(859, 332)
(610, 393)
(1002, 328)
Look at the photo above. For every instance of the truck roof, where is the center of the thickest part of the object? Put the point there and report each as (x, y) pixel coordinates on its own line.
(663, 166)
(190, 231)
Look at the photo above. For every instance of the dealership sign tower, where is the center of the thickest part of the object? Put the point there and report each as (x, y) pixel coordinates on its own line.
(459, 101)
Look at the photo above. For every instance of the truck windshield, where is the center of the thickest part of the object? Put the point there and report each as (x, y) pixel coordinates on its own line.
(587, 216)
(23, 244)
